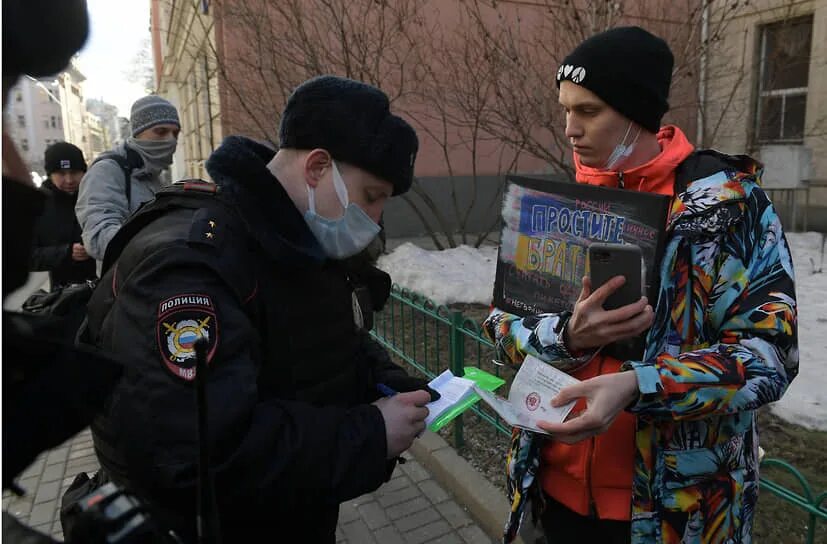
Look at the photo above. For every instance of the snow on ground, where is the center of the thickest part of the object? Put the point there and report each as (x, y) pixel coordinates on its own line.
(462, 274)
(465, 274)
(805, 402)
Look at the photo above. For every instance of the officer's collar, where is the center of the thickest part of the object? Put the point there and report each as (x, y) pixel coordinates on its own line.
(239, 166)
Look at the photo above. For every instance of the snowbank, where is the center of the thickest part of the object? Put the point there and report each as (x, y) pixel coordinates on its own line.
(466, 275)
(805, 402)
(462, 274)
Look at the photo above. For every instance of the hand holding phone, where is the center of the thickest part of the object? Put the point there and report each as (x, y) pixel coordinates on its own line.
(611, 306)
(606, 261)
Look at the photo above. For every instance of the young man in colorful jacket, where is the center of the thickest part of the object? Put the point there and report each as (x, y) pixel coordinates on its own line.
(665, 448)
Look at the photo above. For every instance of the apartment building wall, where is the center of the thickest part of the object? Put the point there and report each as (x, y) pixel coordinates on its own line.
(253, 79)
(185, 59)
(767, 86)
(73, 108)
(33, 119)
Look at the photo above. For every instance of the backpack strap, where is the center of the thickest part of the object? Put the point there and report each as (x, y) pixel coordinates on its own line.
(232, 261)
(127, 164)
(173, 196)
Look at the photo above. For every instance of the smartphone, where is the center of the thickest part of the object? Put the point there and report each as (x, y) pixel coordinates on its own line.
(606, 261)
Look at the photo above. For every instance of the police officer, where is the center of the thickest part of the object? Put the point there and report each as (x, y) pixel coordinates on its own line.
(256, 265)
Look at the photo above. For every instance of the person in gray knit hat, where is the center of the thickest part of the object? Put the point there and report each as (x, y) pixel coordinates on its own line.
(151, 111)
(119, 181)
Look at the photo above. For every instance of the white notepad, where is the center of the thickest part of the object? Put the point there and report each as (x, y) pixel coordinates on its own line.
(452, 389)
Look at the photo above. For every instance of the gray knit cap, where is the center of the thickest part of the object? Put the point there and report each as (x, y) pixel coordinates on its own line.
(150, 111)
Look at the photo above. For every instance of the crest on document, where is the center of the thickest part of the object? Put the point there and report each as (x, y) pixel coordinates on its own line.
(183, 320)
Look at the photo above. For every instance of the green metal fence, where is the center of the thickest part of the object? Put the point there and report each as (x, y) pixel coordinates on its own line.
(432, 337)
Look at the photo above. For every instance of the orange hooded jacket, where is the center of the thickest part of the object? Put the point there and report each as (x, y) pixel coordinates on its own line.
(594, 477)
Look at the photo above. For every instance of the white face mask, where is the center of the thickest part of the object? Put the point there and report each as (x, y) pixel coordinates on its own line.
(622, 151)
(346, 236)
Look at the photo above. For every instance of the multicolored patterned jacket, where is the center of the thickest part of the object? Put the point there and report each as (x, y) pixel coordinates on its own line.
(723, 344)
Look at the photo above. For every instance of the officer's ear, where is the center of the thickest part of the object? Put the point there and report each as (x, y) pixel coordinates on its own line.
(317, 163)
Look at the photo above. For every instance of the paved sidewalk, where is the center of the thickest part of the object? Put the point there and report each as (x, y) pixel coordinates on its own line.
(410, 509)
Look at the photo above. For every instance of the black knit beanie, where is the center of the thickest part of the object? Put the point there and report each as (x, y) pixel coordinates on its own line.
(628, 68)
(63, 156)
(353, 122)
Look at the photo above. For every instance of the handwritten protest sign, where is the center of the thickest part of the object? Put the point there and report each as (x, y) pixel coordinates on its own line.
(547, 227)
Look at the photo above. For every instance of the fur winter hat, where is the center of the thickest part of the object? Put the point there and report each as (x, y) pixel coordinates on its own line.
(352, 121)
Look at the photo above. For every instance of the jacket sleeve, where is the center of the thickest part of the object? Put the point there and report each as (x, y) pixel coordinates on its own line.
(752, 307)
(260, 449)
(539, 335)
(49, 257)
(102, 207)
(381, 369)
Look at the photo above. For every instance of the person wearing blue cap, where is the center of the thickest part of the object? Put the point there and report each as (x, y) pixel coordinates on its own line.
(57, 243)
(119, 181)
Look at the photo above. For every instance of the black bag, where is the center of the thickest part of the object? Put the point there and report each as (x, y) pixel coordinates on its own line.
(80, 487)
(61, 301)
(66, 306)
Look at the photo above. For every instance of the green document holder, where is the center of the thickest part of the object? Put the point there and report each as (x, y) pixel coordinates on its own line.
(484, 380)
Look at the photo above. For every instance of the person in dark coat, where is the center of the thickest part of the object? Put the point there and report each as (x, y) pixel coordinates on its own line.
(57, 243)
(259, 266)
(50, 389)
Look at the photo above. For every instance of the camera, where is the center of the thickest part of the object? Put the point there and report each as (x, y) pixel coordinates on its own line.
(112, 515)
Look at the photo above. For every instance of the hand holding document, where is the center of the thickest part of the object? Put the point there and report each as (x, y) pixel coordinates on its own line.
(529, 399)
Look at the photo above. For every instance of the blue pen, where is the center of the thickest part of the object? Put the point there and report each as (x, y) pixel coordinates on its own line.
(385, 390)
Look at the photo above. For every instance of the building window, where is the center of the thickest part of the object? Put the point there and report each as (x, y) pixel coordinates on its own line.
(46, 123)
(54, 122)
(784, 56)
(18, 97)
(24, 144)
(21, 121)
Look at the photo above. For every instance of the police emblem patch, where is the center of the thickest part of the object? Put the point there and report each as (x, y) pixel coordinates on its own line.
(182, 320)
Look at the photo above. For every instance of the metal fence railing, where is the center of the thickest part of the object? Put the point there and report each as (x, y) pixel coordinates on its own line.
(431, 338)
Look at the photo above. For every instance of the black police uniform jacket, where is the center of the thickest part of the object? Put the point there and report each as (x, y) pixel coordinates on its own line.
(56, 230)
(291, 375)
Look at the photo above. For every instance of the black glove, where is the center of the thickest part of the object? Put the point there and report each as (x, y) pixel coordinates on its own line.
(403, 383)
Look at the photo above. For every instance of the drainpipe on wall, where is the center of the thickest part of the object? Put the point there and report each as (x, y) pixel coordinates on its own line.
(700, 136)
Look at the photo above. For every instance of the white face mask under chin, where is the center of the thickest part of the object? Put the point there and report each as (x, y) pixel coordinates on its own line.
(622, 151)
(346, 236)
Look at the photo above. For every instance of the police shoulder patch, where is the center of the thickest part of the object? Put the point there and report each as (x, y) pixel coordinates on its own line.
(182, 320)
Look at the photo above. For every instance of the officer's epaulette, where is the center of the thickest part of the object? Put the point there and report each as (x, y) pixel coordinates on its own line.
(207, 228)
(196, 185)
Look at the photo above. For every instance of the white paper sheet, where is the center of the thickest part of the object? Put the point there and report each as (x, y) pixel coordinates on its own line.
(452, 390)
(529, 399)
